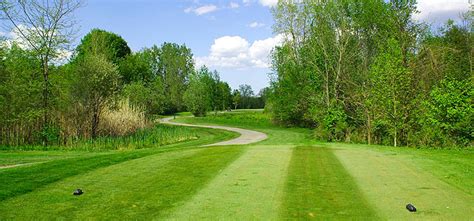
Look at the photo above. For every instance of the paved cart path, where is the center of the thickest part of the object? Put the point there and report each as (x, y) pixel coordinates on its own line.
(246, 136)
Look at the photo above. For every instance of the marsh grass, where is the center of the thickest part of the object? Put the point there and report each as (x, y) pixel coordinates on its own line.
(156, 136)
(122, 120)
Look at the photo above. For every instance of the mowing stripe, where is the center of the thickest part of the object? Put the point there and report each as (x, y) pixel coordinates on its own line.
(251, 188)
(137, 189)
(18, 165)
(21, 180)
(392, 181)
(318, 187)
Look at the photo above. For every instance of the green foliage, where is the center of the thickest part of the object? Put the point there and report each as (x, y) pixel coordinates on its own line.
(390, 82)
(136, 67)
(50, 133)
(198, 96)
(246, 93)
(244, 98)
(236, 98)
(206, 92)
(103, 43)
(102, 71)
(450, 109)
(21, 87)
(175, 65)
(335, 124)
(151, 97)
(224, 95)
(371, 60)
(95, 84)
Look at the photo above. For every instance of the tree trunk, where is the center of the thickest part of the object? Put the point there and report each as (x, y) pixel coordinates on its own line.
(395, 122)
(369, 129)
(395, 138)
(45, 98)
(95, 121)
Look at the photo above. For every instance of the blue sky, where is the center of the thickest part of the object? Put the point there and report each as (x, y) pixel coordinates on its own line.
(198, 24)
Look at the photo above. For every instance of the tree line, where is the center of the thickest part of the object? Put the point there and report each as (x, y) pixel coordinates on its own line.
(103, 89)
(366, 71)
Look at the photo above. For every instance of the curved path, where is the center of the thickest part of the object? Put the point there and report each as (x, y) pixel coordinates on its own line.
(246, 136)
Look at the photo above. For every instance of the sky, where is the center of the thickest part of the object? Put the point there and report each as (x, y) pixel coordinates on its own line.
(233, 37)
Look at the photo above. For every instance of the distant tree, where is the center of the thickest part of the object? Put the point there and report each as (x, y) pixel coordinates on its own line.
(212, 80)
(95, 84)
(236, 98)
(174, 64)
(107, 44)
(264, 94)
(225, 92)
(246, 90)
(198, 97)
(45, 27)
(246, 93)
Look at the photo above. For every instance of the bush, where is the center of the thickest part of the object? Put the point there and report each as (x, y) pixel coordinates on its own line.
(451, 112)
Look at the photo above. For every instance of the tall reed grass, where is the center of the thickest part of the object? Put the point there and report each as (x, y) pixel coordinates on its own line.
(122, 120)
(155, 136)
(121, 127)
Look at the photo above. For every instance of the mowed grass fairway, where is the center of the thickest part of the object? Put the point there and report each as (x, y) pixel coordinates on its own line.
(288, 176)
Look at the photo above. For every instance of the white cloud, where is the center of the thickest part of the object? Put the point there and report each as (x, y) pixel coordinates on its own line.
(188, 10)
(438, 11)
(234, 5)
(14, 37)
(201, 10)
(205, 9)
(237, 52)
(268, 3)
(256, 24)
(229, 46)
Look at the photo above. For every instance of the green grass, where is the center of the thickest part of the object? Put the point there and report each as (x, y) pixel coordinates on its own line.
(21, 180)
(318, 187)
(392, 177)
(452, 166)
(119, 192)
(288, 176)
(251, 188)
(26, 157)
(235, 118)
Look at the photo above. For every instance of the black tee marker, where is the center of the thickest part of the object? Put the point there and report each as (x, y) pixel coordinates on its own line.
(411, 208)
(77, 192)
